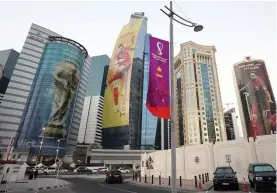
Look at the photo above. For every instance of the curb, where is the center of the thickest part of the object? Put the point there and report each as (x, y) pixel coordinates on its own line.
(165, 187)
(32, 189)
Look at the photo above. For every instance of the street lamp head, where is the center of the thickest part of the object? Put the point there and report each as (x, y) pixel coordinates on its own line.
(198, 28)
(58, 140)
(43, 129)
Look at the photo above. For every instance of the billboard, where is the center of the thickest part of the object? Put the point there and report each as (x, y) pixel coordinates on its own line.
(51, 101)
(158, 100)
(117, 92)
(256, 96)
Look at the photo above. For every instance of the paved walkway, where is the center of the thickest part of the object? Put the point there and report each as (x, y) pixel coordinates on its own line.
(186, 184)
(31, 185)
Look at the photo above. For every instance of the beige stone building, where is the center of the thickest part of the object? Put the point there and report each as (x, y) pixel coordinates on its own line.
(198, 107)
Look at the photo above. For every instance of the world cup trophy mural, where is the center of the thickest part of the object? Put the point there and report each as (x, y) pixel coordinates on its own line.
(65, 85)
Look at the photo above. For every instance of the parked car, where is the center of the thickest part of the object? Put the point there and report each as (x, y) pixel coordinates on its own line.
(225, 177)
(124, 171)
(49, 171)
(114, 176)
(261, 175)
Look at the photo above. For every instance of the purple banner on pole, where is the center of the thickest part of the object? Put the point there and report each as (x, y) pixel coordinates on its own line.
(158, 98)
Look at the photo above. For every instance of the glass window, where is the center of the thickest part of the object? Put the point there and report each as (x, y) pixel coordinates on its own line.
(263, 168)
(224, 171)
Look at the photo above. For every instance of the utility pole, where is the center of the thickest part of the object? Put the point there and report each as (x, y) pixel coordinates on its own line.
(197, 28)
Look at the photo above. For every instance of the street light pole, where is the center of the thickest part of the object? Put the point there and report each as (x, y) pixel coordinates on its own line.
(57, 152)
(40, 147)
(197, 28)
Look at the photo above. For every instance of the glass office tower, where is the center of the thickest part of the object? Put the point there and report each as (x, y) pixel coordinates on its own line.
(96, 74)
(8, 59)
(149, 122)
(52, 99)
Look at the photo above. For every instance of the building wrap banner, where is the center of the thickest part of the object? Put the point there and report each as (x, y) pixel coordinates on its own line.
(158, 98)
(256, 96)
(52, 99)
(117, 92)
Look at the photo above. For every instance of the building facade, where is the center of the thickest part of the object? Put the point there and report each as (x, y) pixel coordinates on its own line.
(8, 59)
(199, 112)
(121, 130)
(256, 101)
(230, 118)
(96, 75)
(90, 131)
(149, 122)
(43, 47)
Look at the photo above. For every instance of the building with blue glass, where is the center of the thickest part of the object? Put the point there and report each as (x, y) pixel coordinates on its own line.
(96, 75)
(149, 122)
(8, 59)
(200, 117)
(44, 99)
(129, 136)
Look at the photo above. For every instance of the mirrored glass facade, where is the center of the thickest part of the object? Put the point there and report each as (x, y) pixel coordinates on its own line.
(51, 103)
(149, 122)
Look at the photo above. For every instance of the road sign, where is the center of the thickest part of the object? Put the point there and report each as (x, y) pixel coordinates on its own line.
(228, 158)
(149, 163)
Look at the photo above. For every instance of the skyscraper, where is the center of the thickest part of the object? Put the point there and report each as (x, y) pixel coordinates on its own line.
(98, 64)
(8, 59)
(90, 131)
(149, 122)
(198, 104)
(44, 65)
(256, 102)
(123, 94)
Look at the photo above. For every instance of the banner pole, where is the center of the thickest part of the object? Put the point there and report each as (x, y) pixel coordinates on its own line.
(172, 103)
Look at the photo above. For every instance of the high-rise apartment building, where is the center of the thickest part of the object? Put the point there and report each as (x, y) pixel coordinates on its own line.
(149, 122)
(45, 96)
(90, 131)
(199, 112)
(232, 130)
(124, 87)
(98, 64)
(8, 59)
(256, 102)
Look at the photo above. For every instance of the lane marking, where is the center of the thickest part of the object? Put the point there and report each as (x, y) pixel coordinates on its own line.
(115, 188)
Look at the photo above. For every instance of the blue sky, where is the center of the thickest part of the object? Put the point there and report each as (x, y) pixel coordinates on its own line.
(236, 29)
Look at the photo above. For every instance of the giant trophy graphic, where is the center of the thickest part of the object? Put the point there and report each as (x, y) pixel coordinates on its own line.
(65, 85)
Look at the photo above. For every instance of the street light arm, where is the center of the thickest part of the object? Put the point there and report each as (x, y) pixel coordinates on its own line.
(171, 15)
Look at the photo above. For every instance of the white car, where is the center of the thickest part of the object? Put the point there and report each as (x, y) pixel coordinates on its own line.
(124, 171)
(63, 171)
(50, 171)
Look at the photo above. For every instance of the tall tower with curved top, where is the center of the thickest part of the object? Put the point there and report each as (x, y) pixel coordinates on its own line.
(199, 111)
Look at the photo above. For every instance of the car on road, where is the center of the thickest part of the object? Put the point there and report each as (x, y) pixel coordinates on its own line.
(114, 176)
(82, 170)
(124, 171)
(261, 175)
(225, 177)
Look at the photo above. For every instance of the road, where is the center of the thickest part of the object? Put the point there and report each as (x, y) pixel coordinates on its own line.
(79, 185)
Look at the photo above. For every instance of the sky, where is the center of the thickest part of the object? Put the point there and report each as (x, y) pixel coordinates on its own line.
(236, 28)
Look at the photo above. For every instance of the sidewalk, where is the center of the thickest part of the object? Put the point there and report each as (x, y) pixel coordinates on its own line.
(187, 185)
(31, 185)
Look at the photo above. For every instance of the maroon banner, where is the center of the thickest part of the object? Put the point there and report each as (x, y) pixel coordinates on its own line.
(158, 98)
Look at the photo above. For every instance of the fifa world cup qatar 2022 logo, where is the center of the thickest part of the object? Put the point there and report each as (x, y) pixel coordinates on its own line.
(160, 46)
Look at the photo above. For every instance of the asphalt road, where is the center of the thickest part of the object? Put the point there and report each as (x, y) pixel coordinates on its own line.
(79, 185)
